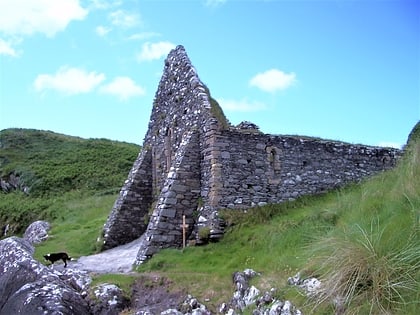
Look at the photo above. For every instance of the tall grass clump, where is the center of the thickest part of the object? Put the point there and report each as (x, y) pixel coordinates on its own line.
(370, 264)
(364, 274)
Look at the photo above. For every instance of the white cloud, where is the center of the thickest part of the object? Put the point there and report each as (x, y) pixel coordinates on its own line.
(153, 51)
(123, 87)
(214, 3)
(121, 18)
(241, 106)
(69, 81)
(103, 4)
(102, 30)
(26, 17)
(273, 80)
(7, 49)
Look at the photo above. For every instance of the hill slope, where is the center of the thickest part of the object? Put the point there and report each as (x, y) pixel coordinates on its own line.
(362, 241)
(52, 165)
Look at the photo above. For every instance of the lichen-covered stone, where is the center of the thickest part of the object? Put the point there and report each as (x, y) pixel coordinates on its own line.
(37, 232)
(109, 300)
(28, 287)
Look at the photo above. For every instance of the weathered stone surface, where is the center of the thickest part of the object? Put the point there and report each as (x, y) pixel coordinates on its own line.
(310, 286)
(28, 287)
(250, 297)
(194, 163)
(13, 182)
(110, 300)
(192, 306)
(128, 219)
(37, 232)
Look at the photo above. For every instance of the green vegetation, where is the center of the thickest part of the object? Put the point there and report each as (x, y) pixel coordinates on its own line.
(76, 223)
(362, 241)
(124, 282)
(51, 163)
(372, 257)
(60, 171)
(217, 111)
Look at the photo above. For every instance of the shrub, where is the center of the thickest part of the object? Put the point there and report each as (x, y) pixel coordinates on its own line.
(204, 233)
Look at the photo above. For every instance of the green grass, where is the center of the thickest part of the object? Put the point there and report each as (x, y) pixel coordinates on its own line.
(362, 241)
(267, 239)
(57, 167)
(77, 225)
(217, 111)
(124, 282)
(372, 257)
(51, 163)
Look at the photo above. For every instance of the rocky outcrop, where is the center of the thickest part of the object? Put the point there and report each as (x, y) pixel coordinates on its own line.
(109, 300)
(37, 232)
(249, 297)
(311, 286)
(13, 182)
(28, 287)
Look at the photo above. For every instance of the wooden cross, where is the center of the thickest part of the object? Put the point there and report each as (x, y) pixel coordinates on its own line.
(184, 227)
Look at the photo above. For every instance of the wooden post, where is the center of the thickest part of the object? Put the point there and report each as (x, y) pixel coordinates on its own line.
(184, 226)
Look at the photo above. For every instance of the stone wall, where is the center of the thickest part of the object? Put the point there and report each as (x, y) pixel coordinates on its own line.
(181, 105)
(192, 163)
(250, 169)
(179, 197)
(129, 217)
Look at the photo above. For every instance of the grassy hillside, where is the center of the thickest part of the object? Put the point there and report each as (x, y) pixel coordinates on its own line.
(51, 163)
(362, 241)
(58, 168)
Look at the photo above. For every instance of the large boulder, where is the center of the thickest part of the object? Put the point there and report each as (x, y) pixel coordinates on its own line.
(37, 232)
(29, 287)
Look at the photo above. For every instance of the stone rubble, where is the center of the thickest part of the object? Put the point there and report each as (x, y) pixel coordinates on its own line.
(251, 298)
(13, 182)
(309, 285)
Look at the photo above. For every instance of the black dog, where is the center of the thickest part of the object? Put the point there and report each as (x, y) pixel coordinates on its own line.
(53, 257)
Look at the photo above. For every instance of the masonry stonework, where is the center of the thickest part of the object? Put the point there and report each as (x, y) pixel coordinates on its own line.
(193, 163)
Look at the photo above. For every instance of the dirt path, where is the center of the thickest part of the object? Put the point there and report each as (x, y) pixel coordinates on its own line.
(115, 260)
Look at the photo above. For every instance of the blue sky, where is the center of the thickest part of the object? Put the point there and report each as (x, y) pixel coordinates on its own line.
(341, 70)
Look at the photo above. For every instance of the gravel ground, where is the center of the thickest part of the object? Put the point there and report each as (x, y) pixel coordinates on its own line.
(115, 260)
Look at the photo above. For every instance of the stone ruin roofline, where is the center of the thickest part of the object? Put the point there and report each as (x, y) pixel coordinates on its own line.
(192, 165)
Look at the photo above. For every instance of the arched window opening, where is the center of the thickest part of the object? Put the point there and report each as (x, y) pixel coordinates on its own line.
(274, 165)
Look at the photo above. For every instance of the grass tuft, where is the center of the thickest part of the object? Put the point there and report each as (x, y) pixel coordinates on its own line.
(363, 272)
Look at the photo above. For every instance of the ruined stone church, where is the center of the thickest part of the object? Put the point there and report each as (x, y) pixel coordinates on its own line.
(194, 163)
